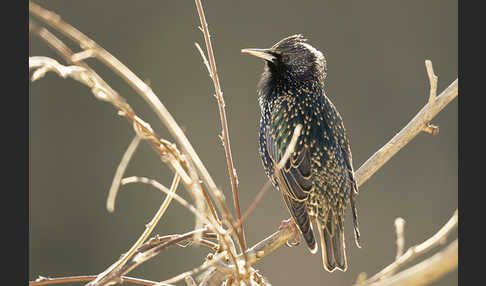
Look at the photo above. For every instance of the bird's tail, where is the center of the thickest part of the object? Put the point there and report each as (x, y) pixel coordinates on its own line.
(332, 245)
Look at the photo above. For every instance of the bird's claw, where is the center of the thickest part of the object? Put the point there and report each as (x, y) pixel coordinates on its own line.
(290, 223)
(296, 241)
(286, 223)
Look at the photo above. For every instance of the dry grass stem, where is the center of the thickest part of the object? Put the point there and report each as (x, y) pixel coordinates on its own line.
(115, 185)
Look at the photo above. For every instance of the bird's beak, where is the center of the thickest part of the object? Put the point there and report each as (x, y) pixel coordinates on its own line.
(265, 54)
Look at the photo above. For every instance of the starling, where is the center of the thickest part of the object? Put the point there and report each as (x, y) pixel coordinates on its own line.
(317, 181)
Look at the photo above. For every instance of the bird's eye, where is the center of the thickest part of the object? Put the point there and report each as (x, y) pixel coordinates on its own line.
(285, 58)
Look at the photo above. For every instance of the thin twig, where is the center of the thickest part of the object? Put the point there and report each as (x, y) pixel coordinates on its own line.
(86, 278)
(416, 250)
(426, 271)
(215, 259)
(102, 91)
(399, 231)
(115, 185)
(146, 92)
(219, 197)
(224, 123)
(432, 80)
(149, 251)
(216, 228)
(141, 88)
(280, 165)
(107, 277)
(253, 204)
(414, 127)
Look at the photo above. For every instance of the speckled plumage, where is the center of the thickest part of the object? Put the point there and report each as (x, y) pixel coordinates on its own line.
(317, 181)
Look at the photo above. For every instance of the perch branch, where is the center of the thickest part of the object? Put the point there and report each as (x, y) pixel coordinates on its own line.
(417, 124)
(271, 243)
(426, 271)
(224, 124)
(414, 251)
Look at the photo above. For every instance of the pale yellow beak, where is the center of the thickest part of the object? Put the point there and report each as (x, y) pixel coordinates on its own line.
(265, 54)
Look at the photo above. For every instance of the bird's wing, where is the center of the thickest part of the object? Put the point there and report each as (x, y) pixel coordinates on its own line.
(294, 179)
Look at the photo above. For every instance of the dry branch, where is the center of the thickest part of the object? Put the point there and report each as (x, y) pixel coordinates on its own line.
(224, 123)
(426, 271)
(415, 251)
(414, 127)
(141, 88)
(114, 272)
(90, 78)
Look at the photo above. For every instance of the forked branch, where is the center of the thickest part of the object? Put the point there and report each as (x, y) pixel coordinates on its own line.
(415, 251)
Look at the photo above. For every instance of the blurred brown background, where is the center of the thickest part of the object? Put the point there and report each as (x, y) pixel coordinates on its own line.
(376, 78)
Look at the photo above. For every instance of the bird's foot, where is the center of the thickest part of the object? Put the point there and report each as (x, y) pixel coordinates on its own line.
(290, 222)
(286, 223)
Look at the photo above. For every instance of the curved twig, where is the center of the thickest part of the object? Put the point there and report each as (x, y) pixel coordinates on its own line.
(110, 275)
(115, 185)
(137, 84)
(86, 278)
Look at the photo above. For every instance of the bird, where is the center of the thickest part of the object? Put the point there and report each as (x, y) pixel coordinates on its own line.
(317, 181)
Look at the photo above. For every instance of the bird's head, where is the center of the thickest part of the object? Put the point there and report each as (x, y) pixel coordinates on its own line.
(292, 57)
